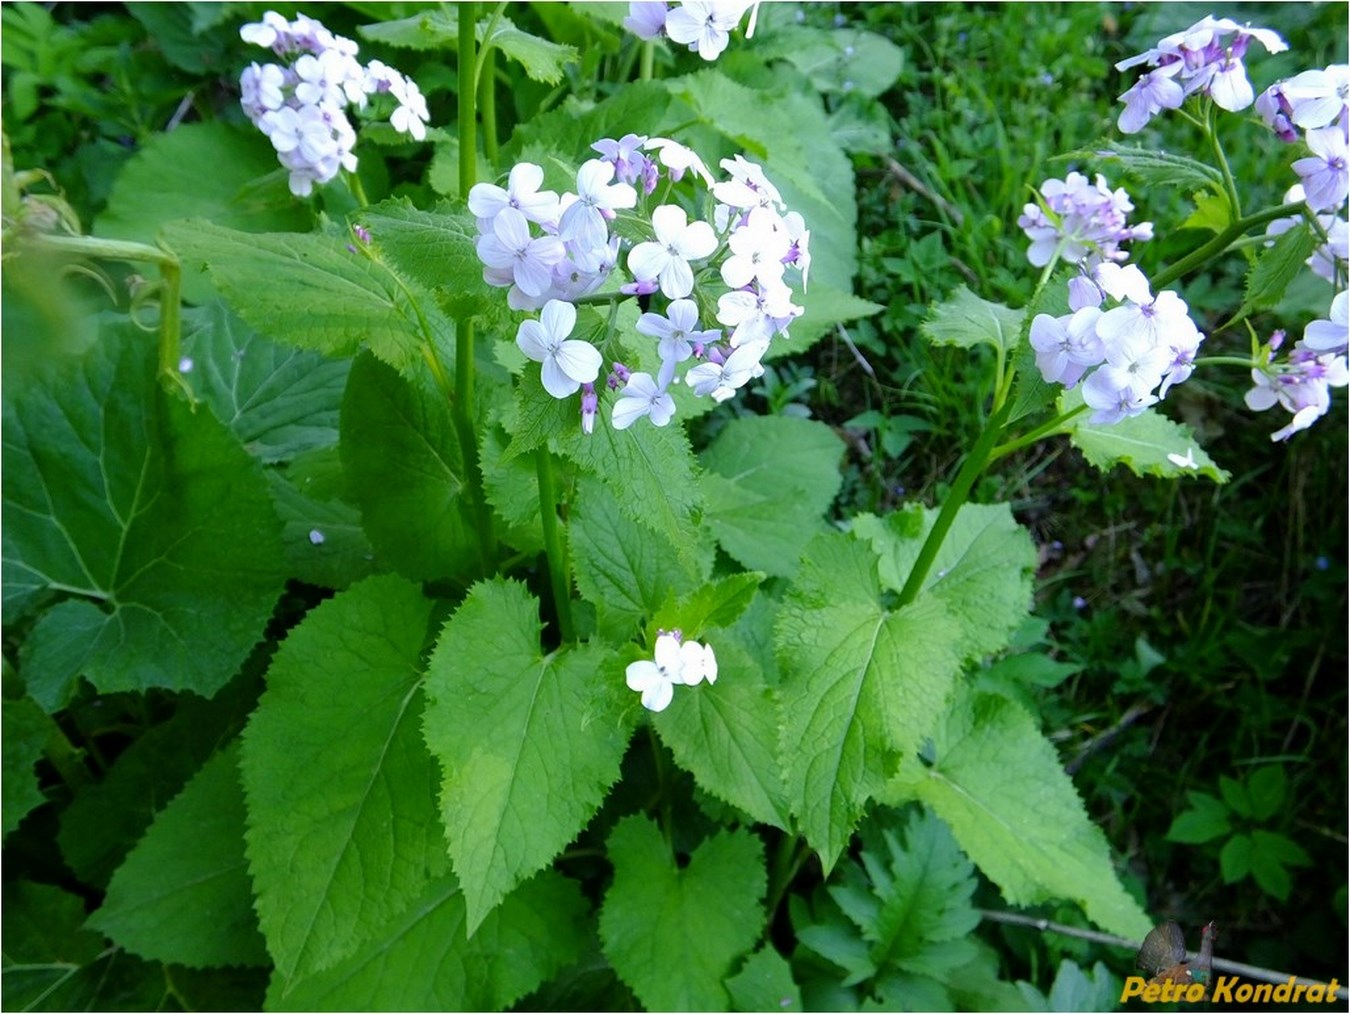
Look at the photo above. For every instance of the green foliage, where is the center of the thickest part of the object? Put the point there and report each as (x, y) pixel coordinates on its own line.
(709, 914)
(999, 785)
(147, 519)
(183, 895)
(768, 480)
(510, 803)
(967, 321)
(342, 830)
(26, 730)
(1146, 444)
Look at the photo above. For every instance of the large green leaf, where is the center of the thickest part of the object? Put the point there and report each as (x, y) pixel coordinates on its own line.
(541, 59)
(342, 828)
(1143, 443)
(765, 983)
(150, 518)
(769, 481)
(726, 734)
(982, 572)
(405, 471)
(625, 570)
(278, 401)
(671, 932)
(317, 291)
(46, 945)
(183, 895)
(422, 959)
(26, 730)
(528, 744)
(999, 784)
(861, 687)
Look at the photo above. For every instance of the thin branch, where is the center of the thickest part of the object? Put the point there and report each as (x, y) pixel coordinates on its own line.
(840, 330)
(1219, 964)
(919, 187)
(1107, 736)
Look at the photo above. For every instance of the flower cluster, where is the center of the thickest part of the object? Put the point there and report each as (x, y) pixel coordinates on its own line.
(1142, 344)
(705, 26)
(676, 662)
(1080, 222)
(1205, 58)
(551, 250)
(1302, 383)
(302, 105)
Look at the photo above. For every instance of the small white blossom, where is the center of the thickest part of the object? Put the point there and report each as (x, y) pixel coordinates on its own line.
(566, 363)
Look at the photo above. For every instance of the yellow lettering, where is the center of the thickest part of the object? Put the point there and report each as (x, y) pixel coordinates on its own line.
(1261, 993)
(1223, 989)
(1299, 990)
(1151, 993)
(1134, 986)
(1283, 991)
(1195, 992)
(1244, 992)
(1333, 988)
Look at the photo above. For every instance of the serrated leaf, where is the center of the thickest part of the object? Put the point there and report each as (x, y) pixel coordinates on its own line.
(1276, 267)
(46, 945)
(536, 416)
(163, 181)
(843, 60)
(982, 572)
(1143, 444)
(710, 913)
(717, 604)
(316, 291)
(401, 455)
(107, 818)
(528, 745)
(183, 895)
(423, 960)
(279, 402)
(342, 831)
(769, 481)
(1206, 819)
(861, 685)
(424, 31)
(436, 247)
(322, 537)
(622, 568)
(151, 514)
(512, 488)
(26, 729)
(1152, 167)
(1000, 786)
(765, 983)
(1212, 212)
(966, 321)
(541, 59)
(570, 129)
(862, 127)
(726, 735)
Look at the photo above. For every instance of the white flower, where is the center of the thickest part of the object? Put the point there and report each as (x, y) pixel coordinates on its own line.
(673, 664)
(678, 241)
(1318, 97)
(677, 158)
(567, 364)
(522, 193)
(1066, 347)
(677, 332)
(1325, 173)
(723, 381)
(705, 24)
(646, 18)
(758, 249)
(509, 246)
(748, 186)
(1184, 461)
(642, 396)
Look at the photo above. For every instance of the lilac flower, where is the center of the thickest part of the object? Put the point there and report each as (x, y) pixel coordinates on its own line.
(510, 246)
(1080, 222)
(758, 250)
(1325, 173)
(1148, 96)
(585, 219)
(1273, 107)
(1067, 347)
(676, 333)
(625, 155)
(1333, 333)
(1302, 386)
(1328, 259)
(725, 379)
(748, 186)
(566, 363)
(1318, 98)
(678, 159)
(646, 18)
(678, 241)
(641, 396)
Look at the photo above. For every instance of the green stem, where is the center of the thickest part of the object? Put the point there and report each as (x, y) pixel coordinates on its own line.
(488, 44)
(559, 571)
(1221, 242)
(789, 858)
(357, 189)
(487, 107)
(1230, 185)
(965, 479)
(1227, 361)
(1030, 437)
(648, 61)
(468, 139)
(171, 275)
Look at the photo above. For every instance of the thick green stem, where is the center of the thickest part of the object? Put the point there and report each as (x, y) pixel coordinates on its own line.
(1230, 185)
(559, 572)
(468, 114)
(965, 479)
(790, 856)
(487, 106)
(1221, 242)
(648, 61)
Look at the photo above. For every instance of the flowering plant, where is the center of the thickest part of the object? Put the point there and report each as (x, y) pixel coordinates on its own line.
(455, 598)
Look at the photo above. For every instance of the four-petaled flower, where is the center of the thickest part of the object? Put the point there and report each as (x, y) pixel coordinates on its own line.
(666, 260)
(566, 363)
(674, 663)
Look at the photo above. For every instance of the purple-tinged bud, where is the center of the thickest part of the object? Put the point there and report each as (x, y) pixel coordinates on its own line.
(1276, 340)
(589, 402)
(698, 350)
(715, 354)
(641, 287)
(351, 249)
(622, 372)
(651, 176)
(1083, 292)
(362, 233)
